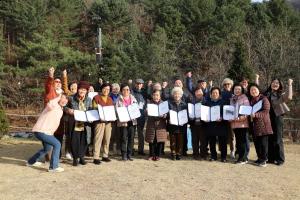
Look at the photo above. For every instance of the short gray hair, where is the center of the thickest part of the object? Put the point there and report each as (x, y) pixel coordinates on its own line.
(177, 89)
(115, 85)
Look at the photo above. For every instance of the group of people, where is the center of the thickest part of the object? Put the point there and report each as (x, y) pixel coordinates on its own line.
(62, 99)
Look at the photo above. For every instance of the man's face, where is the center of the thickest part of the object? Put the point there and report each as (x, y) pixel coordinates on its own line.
(203, 85)
(178, 83)
(138, 86)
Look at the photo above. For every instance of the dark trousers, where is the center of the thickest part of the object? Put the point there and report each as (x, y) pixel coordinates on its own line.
(276, 149)
(115, 139)
(261, 147)
(212, 140)
(140, 131)
(155, 147)
(127, 139)
(79, 144)
(241, 143)
(198, 136)
(185, 143)
(176, 143)
(60, 139)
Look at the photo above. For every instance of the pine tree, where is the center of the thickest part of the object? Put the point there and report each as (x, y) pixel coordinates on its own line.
(240, 66)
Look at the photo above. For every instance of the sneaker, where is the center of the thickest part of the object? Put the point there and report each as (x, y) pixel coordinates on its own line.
(124, 158)
(58, 169)
(97, 162)
(212, 159)
(223, 160)
(129, 158)
(173, 157)
(279, 163)
(178, 157)
(241, 162)
(232, 155)
(262, 164)
(150, 158)
(156, 158)
(257, 161)
(75, 162)
(69, 156)
(36, 164)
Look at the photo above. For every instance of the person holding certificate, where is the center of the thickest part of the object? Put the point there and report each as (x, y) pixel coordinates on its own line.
(156, 133)
(102, 129)
(126, 128)
(261, 125)
(79, 102)
(177, 124)
(278, 99)
(198, 133)
(240, 125)
(217, 128)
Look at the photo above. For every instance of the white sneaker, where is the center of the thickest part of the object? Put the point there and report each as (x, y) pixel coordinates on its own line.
(69, 156)
(58, 169)
(36, 164)
(232, 156)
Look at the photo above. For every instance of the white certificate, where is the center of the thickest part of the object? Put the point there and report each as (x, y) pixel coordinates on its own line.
(152, 110)
(134, 111)
(191, 110)
(205, 113)
(229, 113)
(257, 107)
(215, 113)
(182, 117)
(92, 94)
(107, 113)
(92, 115)
(123, 114)
(173, 117)
(198, 110)
(163, 108)
(245, 110)
(80, 116)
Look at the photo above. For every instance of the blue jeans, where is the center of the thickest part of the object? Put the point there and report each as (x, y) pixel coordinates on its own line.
(48, 141)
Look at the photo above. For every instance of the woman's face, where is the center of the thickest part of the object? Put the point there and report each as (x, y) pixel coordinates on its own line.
(156, 97)
(57, 84)
(199, 94)
(177, 96)
(254, 91)
(82, 92)
(215, 94)
(125, 91)
(275, 85)
(157, 86)
(178, 83)
(227, 86)
(63, 100)
(91, 89)
(73, 88)
(244, 83)
(237, 90)
(115, 90)
(105, 91)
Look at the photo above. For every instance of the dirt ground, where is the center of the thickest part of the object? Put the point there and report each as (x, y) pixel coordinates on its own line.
(143, 179)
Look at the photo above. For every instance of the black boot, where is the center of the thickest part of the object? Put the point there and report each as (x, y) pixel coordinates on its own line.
(82, 161)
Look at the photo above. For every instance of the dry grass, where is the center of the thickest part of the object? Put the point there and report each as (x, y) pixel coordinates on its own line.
(142, 179)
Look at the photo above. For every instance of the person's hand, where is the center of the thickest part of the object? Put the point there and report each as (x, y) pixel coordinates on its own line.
(65, 73)
(210, 83)
(71, 111)
(189, 74)
(290, 82)
(164, 84)
(253, 115)
(51, 72)
(257, 76)
(149, 83)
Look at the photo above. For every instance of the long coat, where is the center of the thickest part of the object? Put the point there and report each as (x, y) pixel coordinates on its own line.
(158, 126)
(261, 121)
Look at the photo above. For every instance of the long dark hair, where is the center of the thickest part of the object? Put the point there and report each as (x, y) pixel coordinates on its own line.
(280, 89)
(237, 85)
